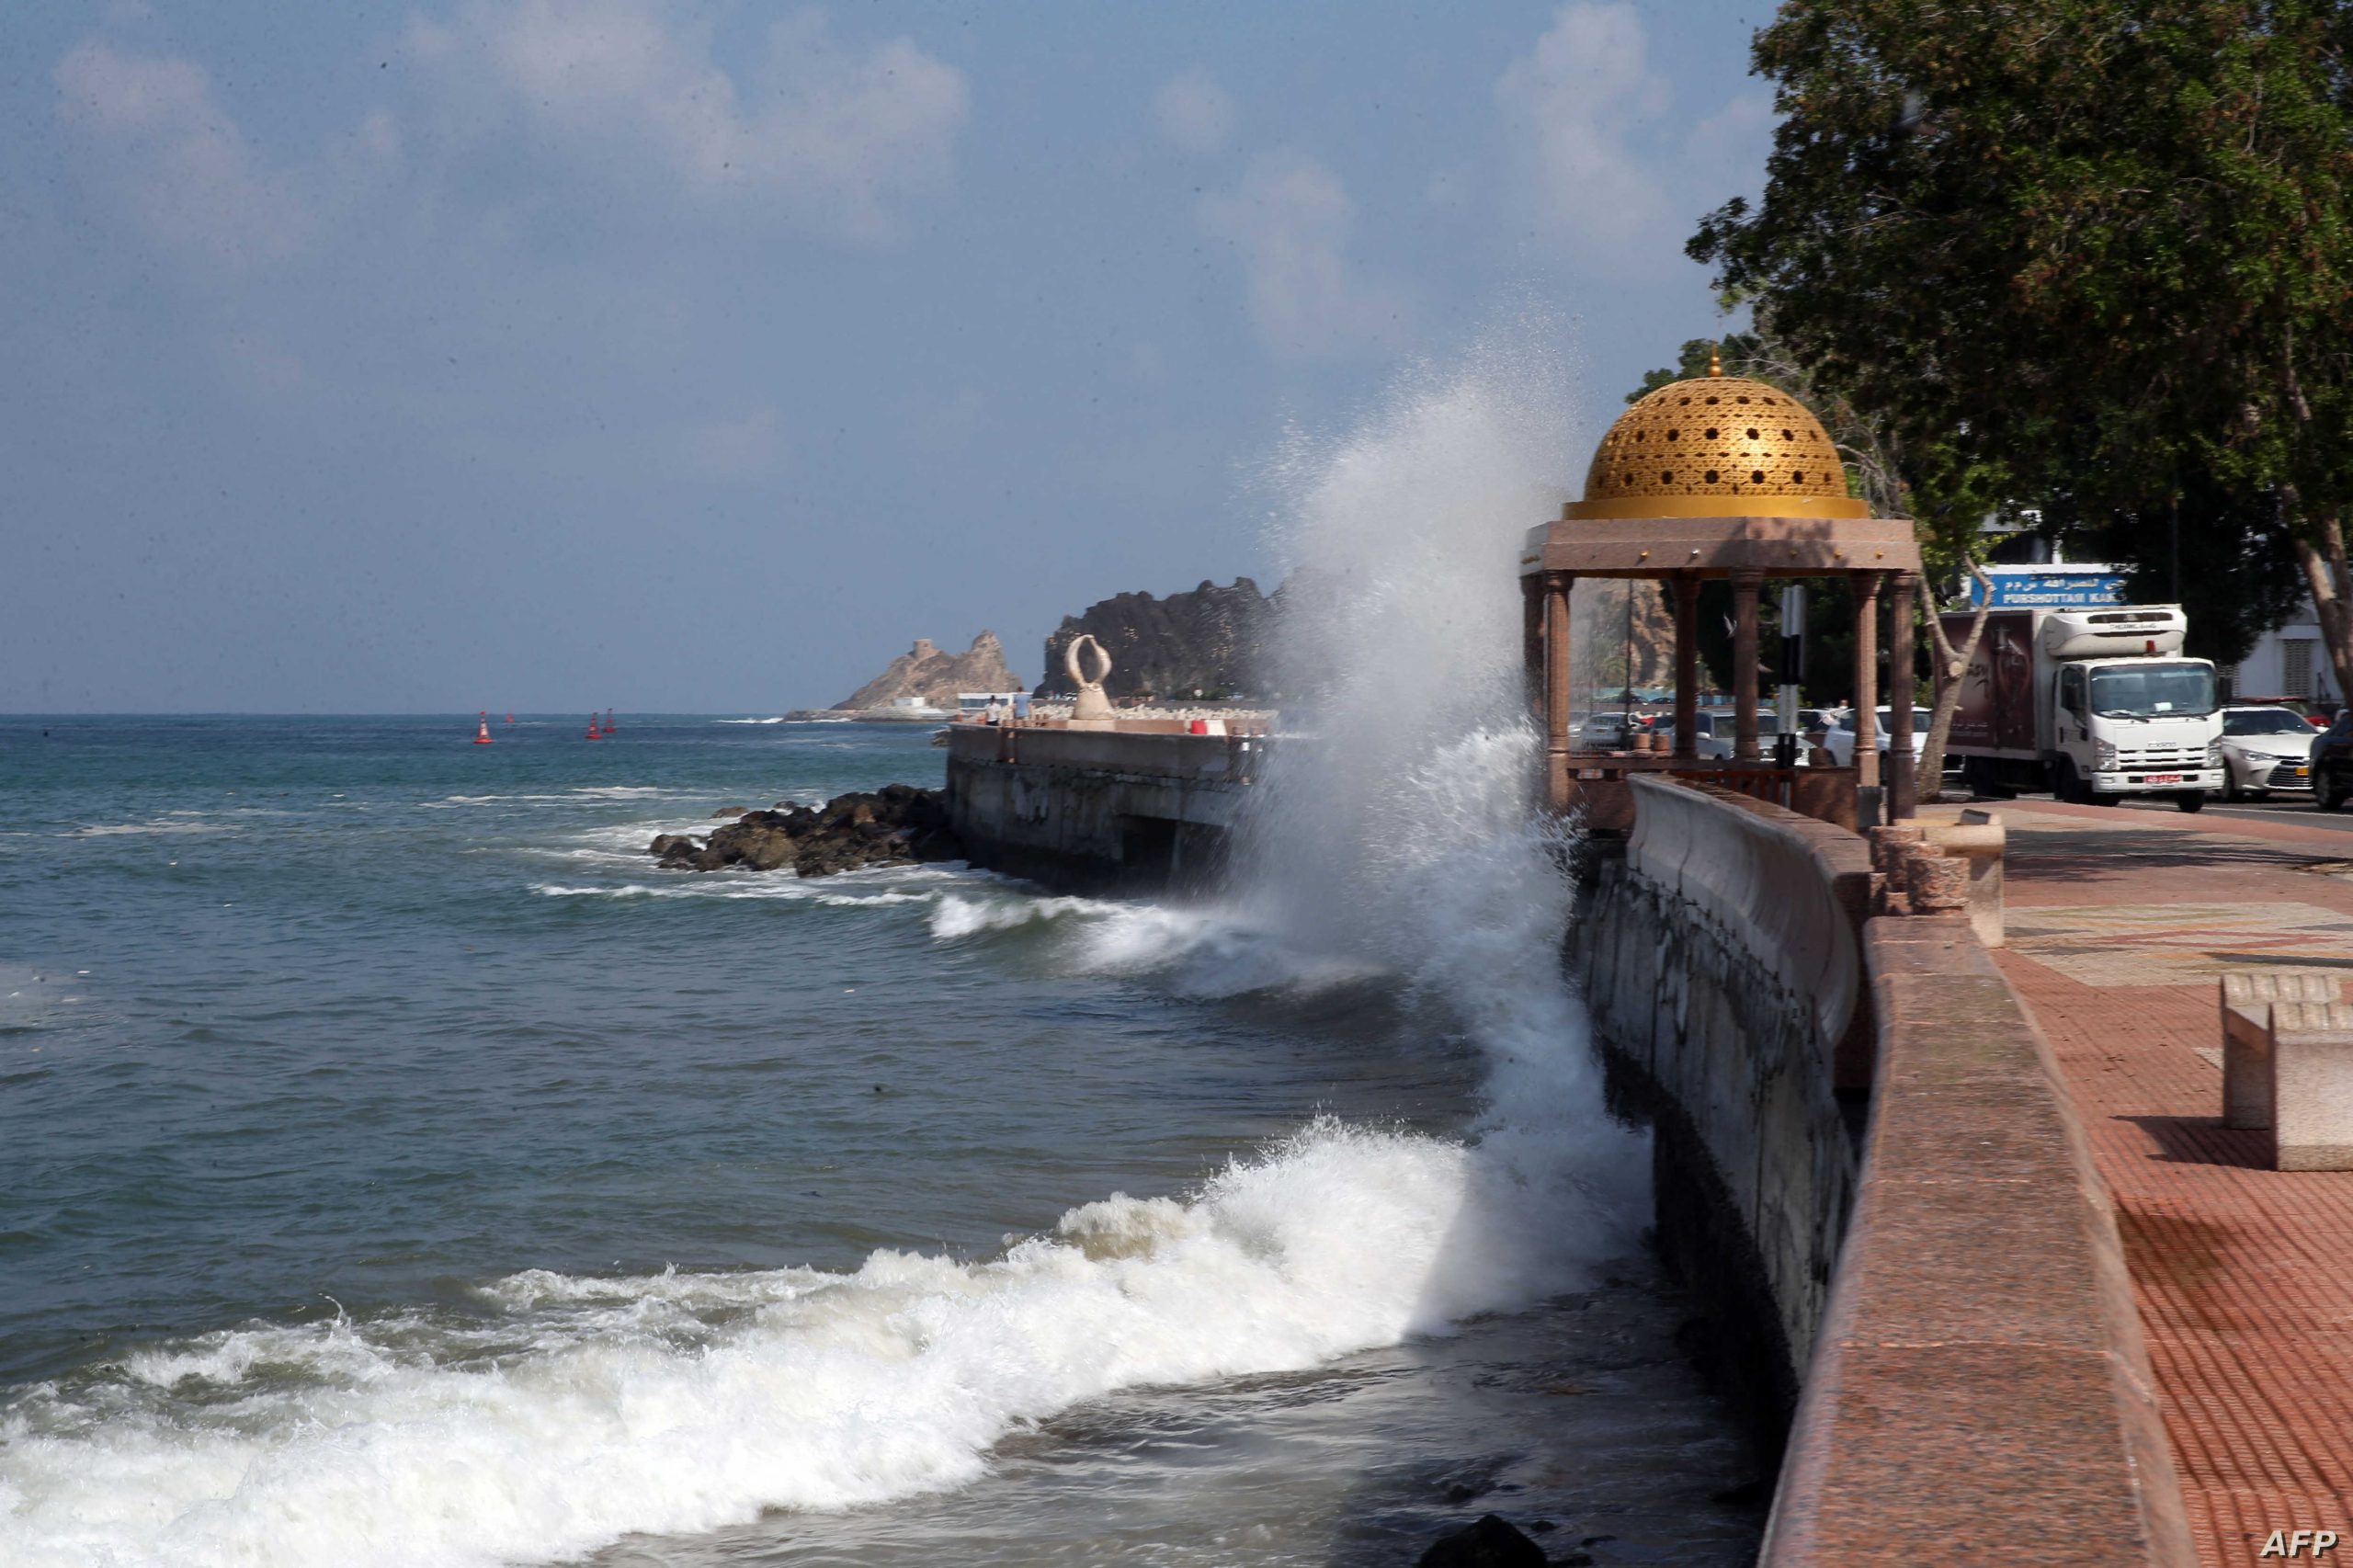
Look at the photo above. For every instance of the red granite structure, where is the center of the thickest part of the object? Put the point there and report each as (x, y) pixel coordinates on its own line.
(1720, 477)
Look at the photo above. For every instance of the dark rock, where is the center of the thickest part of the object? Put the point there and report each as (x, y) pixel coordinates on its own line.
(1491, 1542)
(897, 825)
(1747, 1494)
(1208, 640)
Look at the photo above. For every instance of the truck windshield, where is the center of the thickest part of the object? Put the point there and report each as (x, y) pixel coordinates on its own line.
(2153, 691)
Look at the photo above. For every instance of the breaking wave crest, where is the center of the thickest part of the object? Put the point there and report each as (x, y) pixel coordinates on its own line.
(571, 1411)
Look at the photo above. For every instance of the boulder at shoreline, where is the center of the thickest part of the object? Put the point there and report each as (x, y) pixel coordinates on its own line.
(896, 825)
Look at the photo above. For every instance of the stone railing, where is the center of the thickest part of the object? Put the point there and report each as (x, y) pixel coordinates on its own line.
(1863, 1141)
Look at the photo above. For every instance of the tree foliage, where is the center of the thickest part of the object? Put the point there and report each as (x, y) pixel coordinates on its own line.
(2073, 249)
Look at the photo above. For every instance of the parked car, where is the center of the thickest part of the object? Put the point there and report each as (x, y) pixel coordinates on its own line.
(2332, 763)
(1716, 727)
(1602, 732)
(1841, 738)
(2266, 748)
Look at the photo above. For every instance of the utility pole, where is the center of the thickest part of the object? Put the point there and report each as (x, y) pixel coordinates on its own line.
(1785, 743)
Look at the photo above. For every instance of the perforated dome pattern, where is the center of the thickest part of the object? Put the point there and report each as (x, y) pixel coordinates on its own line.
(1731, 444)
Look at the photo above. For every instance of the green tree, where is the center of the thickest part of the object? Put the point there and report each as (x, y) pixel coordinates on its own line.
(2070, 250)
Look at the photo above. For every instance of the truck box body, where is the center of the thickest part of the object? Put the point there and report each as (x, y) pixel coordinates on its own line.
(2102, 697)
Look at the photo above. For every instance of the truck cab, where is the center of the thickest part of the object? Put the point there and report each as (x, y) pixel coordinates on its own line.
(2095, 705)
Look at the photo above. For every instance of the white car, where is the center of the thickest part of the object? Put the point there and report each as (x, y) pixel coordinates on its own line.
(2265, 749)
(1841, 738)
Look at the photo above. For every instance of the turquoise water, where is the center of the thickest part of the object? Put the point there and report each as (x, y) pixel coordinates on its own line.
(399, 1169)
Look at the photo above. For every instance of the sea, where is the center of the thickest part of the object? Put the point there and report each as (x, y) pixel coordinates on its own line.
(397, 1167)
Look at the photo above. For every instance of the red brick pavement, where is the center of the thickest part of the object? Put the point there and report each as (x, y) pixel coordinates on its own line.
(2244, 1275)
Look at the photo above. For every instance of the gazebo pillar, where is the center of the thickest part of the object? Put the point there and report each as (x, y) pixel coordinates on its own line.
(1687, 667)
(1744, 586)
(1556, 688)
(1866, 587)
(1902, 786)
(1531, 637)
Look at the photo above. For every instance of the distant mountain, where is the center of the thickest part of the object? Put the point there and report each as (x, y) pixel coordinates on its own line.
(1207, 641)
(934, 677)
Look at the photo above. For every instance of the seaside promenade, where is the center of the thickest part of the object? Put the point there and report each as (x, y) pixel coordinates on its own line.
(2119, 922)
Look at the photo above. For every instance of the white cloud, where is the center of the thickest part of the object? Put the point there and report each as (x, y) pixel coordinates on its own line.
(174, 155)
(738, 449)
(1193, 113)
(1569, 103)
(839, 135)
(1289, 221)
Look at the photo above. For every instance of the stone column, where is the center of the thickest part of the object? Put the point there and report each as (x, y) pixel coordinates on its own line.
(1866, 590)
(1556, 688)
(1687, 667)
(1744, 586)
(1902, 787)
(1531, 635)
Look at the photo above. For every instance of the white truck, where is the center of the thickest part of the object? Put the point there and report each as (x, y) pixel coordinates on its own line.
(2092, 704)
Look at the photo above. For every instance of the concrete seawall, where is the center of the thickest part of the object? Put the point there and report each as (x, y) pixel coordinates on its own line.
(1866, 1160)
(1865, 1152)
(1094, 810)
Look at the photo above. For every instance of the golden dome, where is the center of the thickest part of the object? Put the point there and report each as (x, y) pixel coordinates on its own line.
(1716, 446)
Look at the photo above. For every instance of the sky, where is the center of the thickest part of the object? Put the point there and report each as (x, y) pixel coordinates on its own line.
(569, 354)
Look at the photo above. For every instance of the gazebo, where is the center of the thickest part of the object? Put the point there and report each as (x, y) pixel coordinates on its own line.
(1719, 476)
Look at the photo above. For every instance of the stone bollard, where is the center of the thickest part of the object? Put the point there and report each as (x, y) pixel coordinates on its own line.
(1888, 845)
(1937, 882)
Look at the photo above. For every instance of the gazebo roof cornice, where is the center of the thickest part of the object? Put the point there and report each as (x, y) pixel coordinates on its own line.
(1719, 547)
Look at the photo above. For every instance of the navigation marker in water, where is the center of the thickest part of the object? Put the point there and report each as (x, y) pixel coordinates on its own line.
(482, 730)
(609, 725)
(594, 733)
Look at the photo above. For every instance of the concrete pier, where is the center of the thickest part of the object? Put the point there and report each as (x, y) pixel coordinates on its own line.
(1098, 809)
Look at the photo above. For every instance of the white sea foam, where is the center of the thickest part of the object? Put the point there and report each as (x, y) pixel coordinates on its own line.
(681, 1401)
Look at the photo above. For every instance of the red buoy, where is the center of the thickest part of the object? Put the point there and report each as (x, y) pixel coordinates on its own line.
(609, 725)
(482, 730)
(594, 733)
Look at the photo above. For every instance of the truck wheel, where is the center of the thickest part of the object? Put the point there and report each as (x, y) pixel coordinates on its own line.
(2191, 799)
(2067, 785)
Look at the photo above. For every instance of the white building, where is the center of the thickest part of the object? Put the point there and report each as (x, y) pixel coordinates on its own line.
(2289, 660)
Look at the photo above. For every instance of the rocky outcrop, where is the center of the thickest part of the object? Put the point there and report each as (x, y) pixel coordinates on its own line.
(934, 677)
(896, 825)
(1207, 641)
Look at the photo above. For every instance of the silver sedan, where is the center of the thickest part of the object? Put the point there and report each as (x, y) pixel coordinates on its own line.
(2265, 749)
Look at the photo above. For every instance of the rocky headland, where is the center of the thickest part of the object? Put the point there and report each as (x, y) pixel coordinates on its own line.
(927, 677)
(896, 825)
(1207, 641)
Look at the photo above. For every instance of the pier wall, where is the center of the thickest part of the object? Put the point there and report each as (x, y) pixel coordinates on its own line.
(1866, 1156)
(1095, 809)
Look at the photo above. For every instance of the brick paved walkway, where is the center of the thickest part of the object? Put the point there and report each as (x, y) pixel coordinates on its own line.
(2244, 1275)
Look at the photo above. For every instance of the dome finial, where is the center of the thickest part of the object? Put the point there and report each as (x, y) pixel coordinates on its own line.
(1715, 361)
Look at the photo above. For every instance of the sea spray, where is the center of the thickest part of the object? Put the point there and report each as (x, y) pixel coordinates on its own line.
(1400, 823)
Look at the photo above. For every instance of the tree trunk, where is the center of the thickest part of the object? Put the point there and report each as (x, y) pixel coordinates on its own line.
(2326, 577)
(1952, 664)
